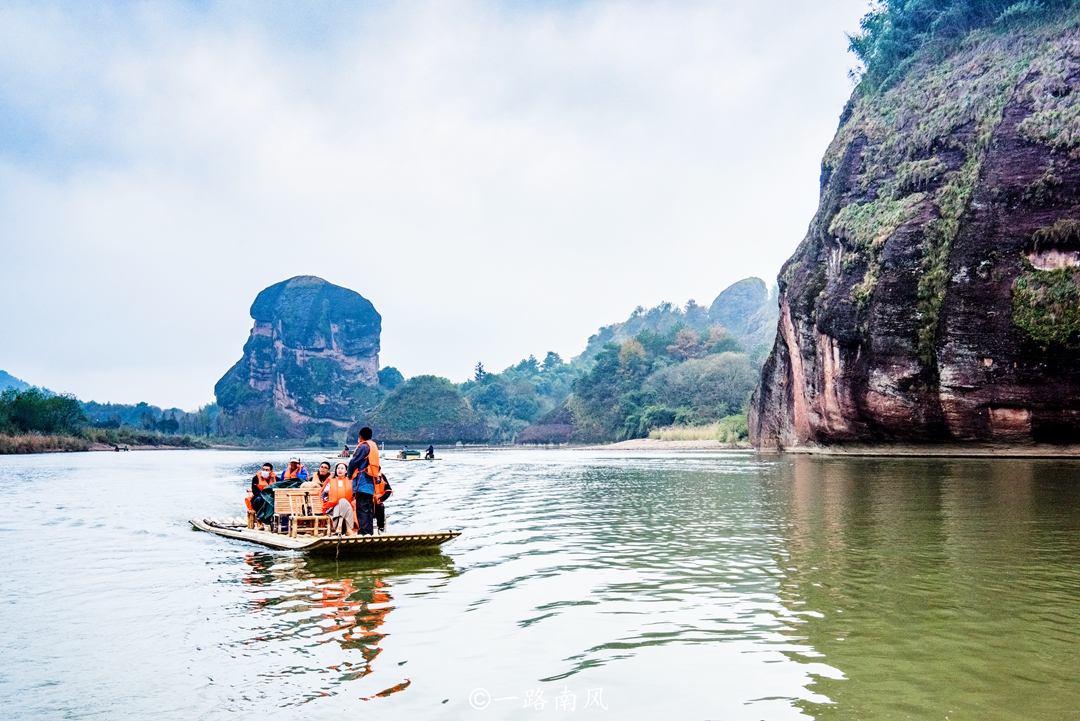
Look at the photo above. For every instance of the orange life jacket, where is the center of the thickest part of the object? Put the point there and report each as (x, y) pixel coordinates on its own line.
(380, 488)
(262, 483)
(334, 490)
(288, 475)
(373, 468)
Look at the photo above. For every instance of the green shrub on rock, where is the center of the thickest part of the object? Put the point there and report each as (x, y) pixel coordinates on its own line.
(1046, 305)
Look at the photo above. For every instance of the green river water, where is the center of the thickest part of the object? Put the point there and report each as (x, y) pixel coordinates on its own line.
(720, 585)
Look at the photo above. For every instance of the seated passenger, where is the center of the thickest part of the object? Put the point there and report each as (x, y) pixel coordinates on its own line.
(382, 492)
(256, 501)
(337, 499)
(320, 477)
(295, 471)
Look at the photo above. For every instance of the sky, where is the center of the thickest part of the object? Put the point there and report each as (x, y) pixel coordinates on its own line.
(499, 178)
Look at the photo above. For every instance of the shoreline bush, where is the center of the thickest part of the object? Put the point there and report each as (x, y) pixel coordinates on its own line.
(34, 443)
(732, 429)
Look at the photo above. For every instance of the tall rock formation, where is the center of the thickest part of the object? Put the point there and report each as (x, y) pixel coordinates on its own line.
(313, 355)
(744, 308)
(936, 296)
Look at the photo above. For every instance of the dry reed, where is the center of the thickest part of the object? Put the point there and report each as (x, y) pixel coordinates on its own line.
(41, 444)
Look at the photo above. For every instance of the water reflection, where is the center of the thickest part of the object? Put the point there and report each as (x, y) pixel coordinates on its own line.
(697, 586)
(938, 587)
(330, 613)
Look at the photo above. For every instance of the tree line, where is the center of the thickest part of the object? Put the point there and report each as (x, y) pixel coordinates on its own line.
(894, 30)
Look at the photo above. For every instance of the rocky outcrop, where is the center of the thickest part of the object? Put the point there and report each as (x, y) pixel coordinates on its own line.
(936, 296)
(744, 309)
(313, 355)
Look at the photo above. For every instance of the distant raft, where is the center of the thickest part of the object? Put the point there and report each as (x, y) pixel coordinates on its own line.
(394, 543)
(411, 458)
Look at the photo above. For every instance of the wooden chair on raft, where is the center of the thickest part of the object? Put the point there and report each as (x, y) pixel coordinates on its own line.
(302, 510)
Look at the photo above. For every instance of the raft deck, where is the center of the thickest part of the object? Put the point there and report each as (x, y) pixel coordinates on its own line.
(341, 545)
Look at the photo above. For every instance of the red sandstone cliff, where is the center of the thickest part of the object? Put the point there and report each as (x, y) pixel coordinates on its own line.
(935, 297)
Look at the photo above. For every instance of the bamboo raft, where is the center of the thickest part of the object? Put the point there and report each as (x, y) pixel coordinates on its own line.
(333, 545)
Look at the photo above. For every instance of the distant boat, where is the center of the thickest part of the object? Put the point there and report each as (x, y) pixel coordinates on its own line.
(333, 544)
(407, 455)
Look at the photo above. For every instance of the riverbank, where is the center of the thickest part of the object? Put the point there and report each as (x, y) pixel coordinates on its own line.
(954, 450)
(653, 444)
(31, 443)
(98, 440)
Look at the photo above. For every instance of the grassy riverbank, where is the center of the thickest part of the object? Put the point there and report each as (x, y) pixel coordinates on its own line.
(133, 438)
(731, 429)
(91, 439)
(33, 443)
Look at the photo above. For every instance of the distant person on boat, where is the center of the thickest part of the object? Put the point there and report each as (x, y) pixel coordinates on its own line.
(430, 454)
(320, 478)
(364, 468)
(403, 452)
(345, 453)
(295, 472)
(337, 496)
(382, 492)
(256, 502)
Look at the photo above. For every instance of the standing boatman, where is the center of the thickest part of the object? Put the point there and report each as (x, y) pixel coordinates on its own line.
(364, 468)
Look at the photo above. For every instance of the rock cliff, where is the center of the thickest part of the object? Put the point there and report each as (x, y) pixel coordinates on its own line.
(744, 308)
(936, 296)
(313, 355)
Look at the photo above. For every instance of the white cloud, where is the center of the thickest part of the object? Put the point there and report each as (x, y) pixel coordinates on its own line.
(499, 179)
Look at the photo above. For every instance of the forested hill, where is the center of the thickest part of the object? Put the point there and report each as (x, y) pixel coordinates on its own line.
(744, 310)
(688, 366)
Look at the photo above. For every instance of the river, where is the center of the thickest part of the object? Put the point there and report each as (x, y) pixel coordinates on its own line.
(711, 585)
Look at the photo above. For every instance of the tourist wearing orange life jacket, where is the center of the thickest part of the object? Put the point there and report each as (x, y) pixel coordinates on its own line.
(320, 477)
(382, 492)
(255, 499)
(337, 496)
(364, 468)
(295, 471)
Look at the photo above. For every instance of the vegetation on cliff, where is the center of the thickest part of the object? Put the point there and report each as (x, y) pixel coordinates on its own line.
(937, 284)
(918, 143)
(895, 30)
(902, 129)
(1046, 305)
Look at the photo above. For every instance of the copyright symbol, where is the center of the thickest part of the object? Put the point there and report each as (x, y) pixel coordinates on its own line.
(479, 698)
